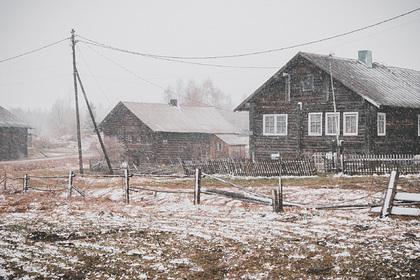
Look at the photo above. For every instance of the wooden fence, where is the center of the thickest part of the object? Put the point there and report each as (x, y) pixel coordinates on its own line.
(380, 164)
(301, 167)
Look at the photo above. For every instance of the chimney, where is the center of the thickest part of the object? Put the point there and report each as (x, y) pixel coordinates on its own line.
(173, 102)
(365, 57)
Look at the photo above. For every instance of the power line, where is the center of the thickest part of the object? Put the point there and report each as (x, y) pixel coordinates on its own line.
(168, 57)
(34, 50)
(93, 43)
(96, 81)
(127, 70)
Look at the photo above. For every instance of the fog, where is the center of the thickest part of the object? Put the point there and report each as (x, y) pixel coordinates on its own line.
(184, 28)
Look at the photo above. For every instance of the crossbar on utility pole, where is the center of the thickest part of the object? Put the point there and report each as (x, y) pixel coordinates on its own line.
(79, 140)
(108, 162)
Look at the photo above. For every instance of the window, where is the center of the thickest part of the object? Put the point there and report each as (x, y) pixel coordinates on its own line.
(381, 123)
(315, 124)
(165, 141)
(218, 146)
(275, 124)
(350, 123)
(332, 124)
(308, 83)
(418, 125)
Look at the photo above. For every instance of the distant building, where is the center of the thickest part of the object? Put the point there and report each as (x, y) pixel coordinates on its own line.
(13, 136)
(378, 108)
(165, 133)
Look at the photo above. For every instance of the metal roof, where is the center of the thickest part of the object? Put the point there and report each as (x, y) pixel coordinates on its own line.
(7, 119)
(234, 139)
(381, 85)
(168, 118)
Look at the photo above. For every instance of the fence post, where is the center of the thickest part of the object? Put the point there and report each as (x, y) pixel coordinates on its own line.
(70, 184)
(275, 199)
(25, 183)
(126, 186)
(5, 180)
(197, 187)
(280, 195)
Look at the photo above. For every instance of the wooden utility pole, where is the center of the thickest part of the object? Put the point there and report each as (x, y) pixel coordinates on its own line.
(79, 140)
(336, 121)
(108, 162)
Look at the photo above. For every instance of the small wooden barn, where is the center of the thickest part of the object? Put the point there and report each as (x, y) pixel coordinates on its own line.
(165, 133)
(13, 136)
(377, 108)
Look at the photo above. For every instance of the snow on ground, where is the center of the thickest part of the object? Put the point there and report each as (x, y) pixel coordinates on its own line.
(165, 236)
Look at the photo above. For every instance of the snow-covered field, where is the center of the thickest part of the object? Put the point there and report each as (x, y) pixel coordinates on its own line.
(165, 236)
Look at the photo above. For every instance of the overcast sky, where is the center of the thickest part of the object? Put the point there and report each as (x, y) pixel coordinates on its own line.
(183, 28)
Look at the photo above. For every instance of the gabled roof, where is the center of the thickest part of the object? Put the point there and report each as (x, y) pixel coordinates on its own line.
(380, 85)
(168, 118)
(234, 139)
(7, 119)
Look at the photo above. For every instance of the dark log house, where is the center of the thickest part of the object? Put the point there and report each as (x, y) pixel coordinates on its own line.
(165, 133)
(13, 136)
(377, 108)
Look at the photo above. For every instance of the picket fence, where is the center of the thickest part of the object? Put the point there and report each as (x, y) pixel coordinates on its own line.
(298, 167)
(380, 164)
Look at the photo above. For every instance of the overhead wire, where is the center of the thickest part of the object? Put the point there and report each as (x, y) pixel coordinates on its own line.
(89, 70)
(34, 50)
(127, 70)
(97, 44)
(171, 58)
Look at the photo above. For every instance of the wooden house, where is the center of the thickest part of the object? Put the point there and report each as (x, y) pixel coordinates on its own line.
(377, 108)
(13, 136)
(165, 133)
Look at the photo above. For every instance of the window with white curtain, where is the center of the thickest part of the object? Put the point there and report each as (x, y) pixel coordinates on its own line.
(332, 124)
(315, 124)
(350, 123)
(275, 124)
(381, 123)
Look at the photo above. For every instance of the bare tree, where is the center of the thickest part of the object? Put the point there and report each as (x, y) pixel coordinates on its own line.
(194, 94)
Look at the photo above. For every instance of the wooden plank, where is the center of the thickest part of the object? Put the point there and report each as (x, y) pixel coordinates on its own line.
(70, 184)
(407, 196)
(404, 211)
(390, 194)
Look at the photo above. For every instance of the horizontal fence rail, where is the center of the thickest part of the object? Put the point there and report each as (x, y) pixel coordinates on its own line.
(301, 167)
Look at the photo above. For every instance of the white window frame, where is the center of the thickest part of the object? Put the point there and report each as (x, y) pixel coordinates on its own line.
(345, 114)
(384, 124)
(275, 124)
(311, 133)
(218, 146)
(327, 114)
(418, 125)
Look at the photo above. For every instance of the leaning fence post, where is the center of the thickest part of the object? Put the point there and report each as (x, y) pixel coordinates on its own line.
(70, 184)
(25, 183)
(126, 186)
(197, 186)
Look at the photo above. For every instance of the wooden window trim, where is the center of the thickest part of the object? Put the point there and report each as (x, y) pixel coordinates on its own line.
(275, 124)
(311, 133)
(377, 124)
(345, 114)
(326, 123)
(310, 76)
(418, 125)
